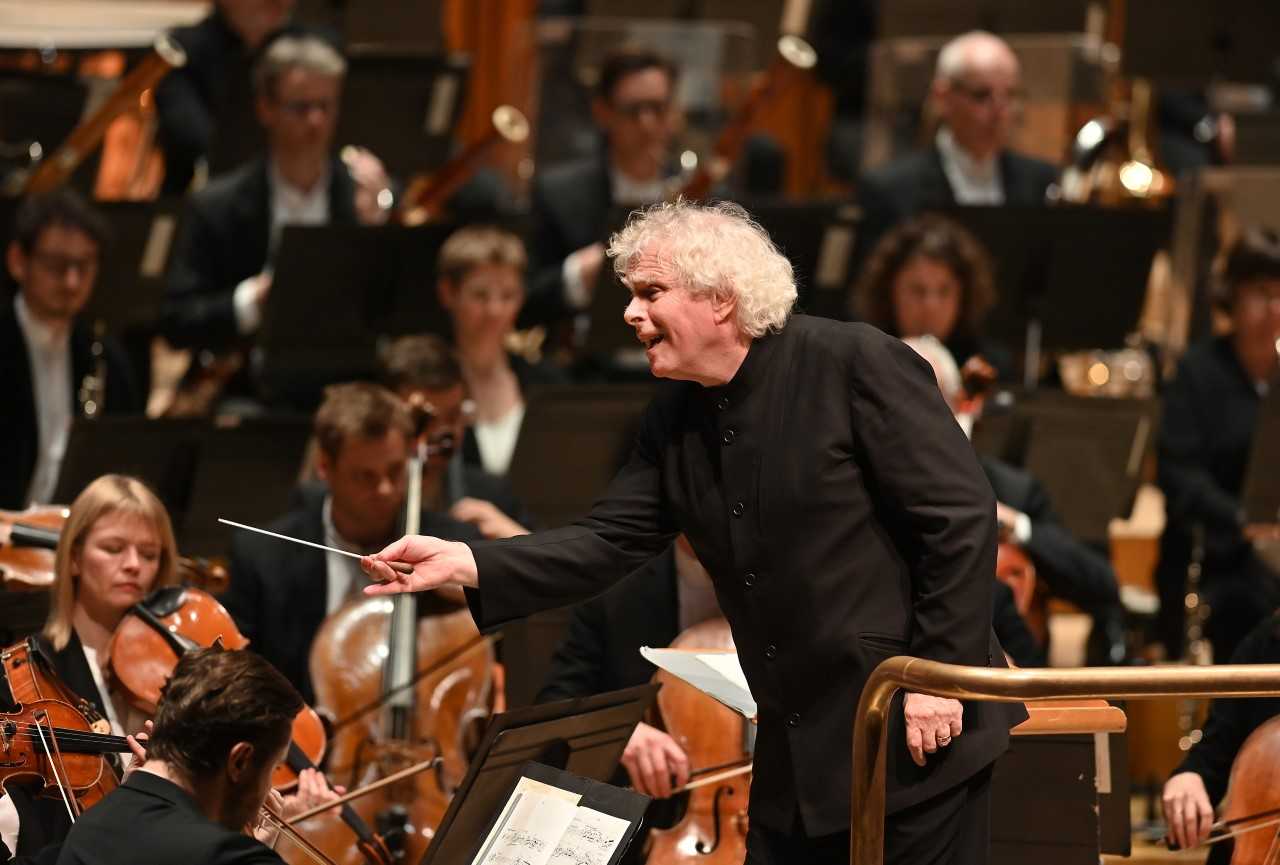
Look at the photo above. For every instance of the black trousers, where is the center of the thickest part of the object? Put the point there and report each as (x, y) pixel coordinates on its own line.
(952, 828)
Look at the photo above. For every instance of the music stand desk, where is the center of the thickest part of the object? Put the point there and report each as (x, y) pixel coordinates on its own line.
(584, 736)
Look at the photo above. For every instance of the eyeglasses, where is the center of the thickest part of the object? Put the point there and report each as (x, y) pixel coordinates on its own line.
(59, 265)
(304, 107)
(985, 95)
(636, 109)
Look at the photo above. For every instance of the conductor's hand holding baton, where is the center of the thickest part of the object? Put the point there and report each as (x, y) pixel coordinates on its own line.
(435, 564)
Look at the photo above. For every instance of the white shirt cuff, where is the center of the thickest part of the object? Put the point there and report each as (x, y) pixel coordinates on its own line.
(248, 312)
(1022, 529)
(576, 292)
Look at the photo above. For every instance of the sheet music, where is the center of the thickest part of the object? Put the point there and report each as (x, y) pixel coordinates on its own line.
(531, 825)
(590, 839)
(717, 674)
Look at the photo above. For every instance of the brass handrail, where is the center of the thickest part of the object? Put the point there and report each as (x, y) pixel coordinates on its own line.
(1012, 686)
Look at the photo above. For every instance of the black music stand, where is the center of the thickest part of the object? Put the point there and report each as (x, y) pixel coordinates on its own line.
(130, 286)
(818, 238)
(162, 453)
(1056, 267)
(336, 291)
(250, 469)
(584, 736)
(403, 105)
(1261, 494)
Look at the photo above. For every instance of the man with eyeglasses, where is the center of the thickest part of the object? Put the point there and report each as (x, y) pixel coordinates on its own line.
(221, 273)
(976, 96)
(46, 351)
(635, 113)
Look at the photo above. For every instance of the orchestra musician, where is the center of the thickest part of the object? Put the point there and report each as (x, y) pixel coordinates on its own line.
(634, 109)
(220, 274)
(976, 96)
(822, 481)
(222, 725)
(1200, 781)
(116, 547)
(47, 351)
(423, 371)
(1206, 431)
(279, 594)
(480, 282)
(930, 277)
(214, 85)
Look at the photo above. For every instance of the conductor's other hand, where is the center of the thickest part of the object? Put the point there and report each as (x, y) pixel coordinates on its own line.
(932, 722)
(1187, 809)
(656, 764)
(435, 563)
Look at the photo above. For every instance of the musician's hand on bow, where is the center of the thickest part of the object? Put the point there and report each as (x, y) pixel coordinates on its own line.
(435, 563)
(932, 722)
(1187, 809)
(656, 764)
(373, 185)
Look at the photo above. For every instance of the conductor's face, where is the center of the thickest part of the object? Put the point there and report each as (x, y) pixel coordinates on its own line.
(301, 114)
(367, 485)
(679, 330)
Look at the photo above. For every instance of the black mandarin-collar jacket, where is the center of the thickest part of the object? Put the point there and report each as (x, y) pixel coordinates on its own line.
(843, 517)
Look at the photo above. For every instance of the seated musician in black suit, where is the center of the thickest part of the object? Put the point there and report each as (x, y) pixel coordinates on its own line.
(635, 112)
(222, 726)
(220, 275)
(1200, 781)
(1025, 514)
(480, 281)
(281, 593)
(1210, 414)
(931, 277)
(975, 95)
(53, 365)
(214, 84)
(423, 371)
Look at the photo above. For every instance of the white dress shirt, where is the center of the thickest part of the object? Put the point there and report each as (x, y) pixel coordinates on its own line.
(496, 440)
(972, 181)
(49, 353)
(289, 206)
(343, 576)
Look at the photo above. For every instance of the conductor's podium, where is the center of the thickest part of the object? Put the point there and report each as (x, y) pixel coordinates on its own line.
(1060, 796)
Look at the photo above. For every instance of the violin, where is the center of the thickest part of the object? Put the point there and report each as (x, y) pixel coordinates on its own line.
(27, 543)
(73, 763)
(719, 743)
(146, 647)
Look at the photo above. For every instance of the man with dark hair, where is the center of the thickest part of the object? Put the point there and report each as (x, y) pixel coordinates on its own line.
(280, 594)
(423, 371)
(222, 265)
(222, 726)
(634, 109)
(55, 365)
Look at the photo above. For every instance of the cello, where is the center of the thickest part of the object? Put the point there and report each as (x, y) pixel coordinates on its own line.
(712, 828)
(1251, 815)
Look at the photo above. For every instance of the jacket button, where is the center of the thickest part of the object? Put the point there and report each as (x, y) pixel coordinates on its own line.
(722, 403)
(728, 436)
(738, 509)
(771, 651)
(750, 579)
(793, 720)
